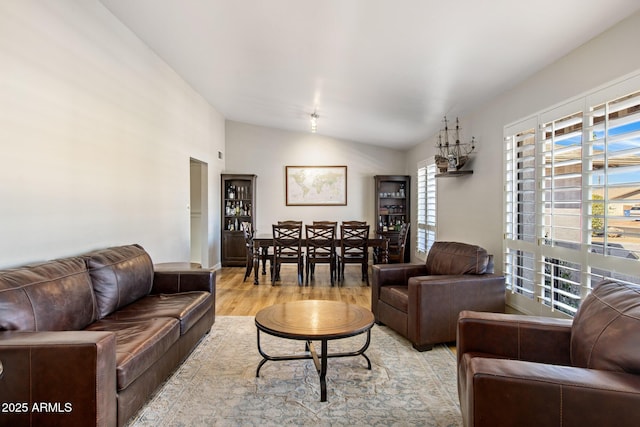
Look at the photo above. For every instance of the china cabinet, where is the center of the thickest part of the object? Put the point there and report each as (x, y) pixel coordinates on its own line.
(392, 207)
(238, 204)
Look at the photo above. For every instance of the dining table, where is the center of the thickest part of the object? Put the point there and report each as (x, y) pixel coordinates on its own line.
(263, 241)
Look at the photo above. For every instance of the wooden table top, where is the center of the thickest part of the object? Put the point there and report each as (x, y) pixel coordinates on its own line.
(314, 319)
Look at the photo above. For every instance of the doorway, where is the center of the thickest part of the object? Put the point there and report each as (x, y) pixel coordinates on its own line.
(199, 203)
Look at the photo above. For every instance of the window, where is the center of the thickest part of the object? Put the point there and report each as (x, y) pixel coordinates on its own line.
(572, 181)
(426, 206)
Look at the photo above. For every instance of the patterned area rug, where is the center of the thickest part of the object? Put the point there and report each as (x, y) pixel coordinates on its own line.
(217, 385)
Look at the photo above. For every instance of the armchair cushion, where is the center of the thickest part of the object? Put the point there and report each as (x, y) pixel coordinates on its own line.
(606, 329)
(456, 258)
(395, 296)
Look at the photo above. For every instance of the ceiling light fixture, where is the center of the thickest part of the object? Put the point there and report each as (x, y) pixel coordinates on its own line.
(314, 122)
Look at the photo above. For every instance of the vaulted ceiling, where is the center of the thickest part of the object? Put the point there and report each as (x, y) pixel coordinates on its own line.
(381, 72)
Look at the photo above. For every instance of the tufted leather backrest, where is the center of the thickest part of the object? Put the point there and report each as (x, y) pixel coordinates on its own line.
(52, 296)
(456, 258)
(120, 276)
(606, 329)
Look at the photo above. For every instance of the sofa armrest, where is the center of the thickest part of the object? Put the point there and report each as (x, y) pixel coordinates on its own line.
(532, 338)
(58, 378)
(392, 275)
(435, 302)
(175, 281)
(511, 392)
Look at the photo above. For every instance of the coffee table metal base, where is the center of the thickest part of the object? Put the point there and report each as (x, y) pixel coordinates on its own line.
(320, 361)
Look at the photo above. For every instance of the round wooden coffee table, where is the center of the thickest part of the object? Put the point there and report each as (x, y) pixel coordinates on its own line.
(314, 320)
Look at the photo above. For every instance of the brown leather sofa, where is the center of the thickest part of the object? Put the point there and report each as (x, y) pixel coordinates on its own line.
(534, 371)
(422, 301)
(85, 340)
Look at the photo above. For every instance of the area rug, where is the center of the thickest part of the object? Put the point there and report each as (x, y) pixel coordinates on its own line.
(217, 384)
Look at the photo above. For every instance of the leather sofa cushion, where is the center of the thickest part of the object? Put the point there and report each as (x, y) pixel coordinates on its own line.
(187, 307)
(456, 258)
(139, 344)
(606, 329)
(120, 276)
(52, 296)
(396, 296)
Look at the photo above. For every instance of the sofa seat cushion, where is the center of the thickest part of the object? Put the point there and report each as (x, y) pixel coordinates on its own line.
(606, 329)
(396, 296)
(52, 296)
(139, 344)
(187, 307)
(120, 276)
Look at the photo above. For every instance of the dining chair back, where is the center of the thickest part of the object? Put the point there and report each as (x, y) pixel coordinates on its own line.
(354, 240)
(290, 222)
(287, 248)
(248, 232)
(354, 222)
(321, 241)
(397, 251)
(333, 223)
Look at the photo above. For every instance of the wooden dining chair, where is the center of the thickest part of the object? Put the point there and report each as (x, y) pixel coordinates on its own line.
(354, 249)
(247, 231)
(287, 248)
(321, 241)
(335, 249)
(397, 250)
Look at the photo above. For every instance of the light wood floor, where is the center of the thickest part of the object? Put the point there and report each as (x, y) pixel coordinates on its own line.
(237, 298)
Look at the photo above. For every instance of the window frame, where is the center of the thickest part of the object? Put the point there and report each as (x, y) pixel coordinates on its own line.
(426, 207)
(545, 273)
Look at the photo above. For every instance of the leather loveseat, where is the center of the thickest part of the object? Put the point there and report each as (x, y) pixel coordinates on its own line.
(422, 301)
(529, 371)
(85, 340)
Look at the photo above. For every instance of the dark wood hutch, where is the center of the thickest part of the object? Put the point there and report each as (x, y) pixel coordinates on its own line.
(393, 207)
(238, 205)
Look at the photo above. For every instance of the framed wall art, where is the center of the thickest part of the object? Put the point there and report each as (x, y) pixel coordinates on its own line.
(316, 185)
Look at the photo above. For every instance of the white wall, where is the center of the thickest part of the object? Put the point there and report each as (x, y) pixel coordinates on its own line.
(266, 151)
(470, 208)
(96, 133)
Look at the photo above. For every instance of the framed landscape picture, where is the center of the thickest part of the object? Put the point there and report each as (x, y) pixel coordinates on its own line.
(316, 185)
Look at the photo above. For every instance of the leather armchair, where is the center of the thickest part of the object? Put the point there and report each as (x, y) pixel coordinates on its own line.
(422, 301)
(536, 371)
